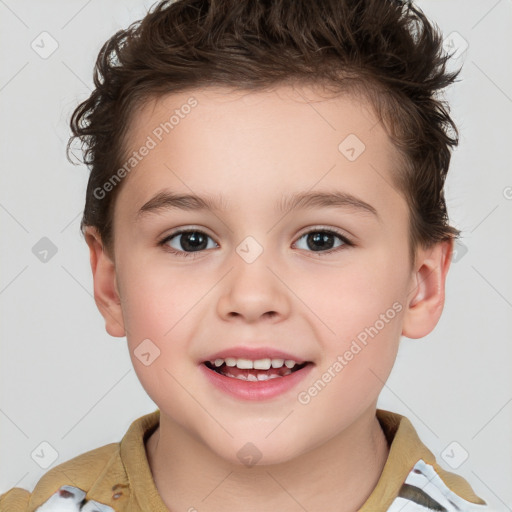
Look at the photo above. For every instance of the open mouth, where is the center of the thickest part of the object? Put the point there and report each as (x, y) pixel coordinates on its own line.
(253, 374)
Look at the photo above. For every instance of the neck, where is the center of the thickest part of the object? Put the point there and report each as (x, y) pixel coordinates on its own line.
(336, 476)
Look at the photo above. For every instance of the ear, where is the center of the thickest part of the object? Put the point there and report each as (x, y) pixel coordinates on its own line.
(106, 293)
(426, 298)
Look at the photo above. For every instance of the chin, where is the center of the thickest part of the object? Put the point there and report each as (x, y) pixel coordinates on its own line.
(258, 451)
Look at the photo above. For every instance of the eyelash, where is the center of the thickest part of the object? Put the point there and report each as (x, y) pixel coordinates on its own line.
(184, 254)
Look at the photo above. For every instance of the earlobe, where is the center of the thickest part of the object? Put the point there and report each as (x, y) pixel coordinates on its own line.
(426, 298)
(106, 292)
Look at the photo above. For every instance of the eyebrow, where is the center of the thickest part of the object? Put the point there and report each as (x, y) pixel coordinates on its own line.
(168, 200)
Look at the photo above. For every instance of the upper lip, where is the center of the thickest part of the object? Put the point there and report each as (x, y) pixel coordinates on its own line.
(254, 354)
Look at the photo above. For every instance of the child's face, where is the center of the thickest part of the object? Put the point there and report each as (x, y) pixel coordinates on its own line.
(298, 296)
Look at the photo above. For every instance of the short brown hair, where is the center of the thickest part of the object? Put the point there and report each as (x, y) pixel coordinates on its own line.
(386, 50)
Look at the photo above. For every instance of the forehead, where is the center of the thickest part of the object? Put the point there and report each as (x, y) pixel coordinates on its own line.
(234, 143)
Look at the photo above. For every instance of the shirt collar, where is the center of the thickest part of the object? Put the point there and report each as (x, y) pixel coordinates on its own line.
(134, 458)
(405, 449)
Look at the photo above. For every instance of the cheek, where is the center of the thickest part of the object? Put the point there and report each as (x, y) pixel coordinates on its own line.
(362, 305)
(156, 296)
(156, 307)
(348, 299)
(158, 313)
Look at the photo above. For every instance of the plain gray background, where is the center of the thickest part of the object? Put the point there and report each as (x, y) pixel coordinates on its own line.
(66, 382)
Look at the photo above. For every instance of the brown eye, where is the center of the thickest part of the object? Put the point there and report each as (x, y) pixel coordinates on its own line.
(323, 241)
(186, 242)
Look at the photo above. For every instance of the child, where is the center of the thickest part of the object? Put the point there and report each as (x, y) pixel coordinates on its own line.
(300, 150)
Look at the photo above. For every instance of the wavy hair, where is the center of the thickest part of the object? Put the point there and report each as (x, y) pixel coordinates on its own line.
(386, 50)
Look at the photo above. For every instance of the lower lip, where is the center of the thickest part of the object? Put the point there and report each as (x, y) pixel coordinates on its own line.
(256, 390)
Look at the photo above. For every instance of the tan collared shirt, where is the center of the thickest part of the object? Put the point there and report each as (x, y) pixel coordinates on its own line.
(117, 478)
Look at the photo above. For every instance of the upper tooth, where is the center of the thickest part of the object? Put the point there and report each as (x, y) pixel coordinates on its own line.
(244, 364)
(258, 364)
(262, 364)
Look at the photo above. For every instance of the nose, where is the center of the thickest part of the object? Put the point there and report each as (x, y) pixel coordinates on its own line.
(253, 291)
